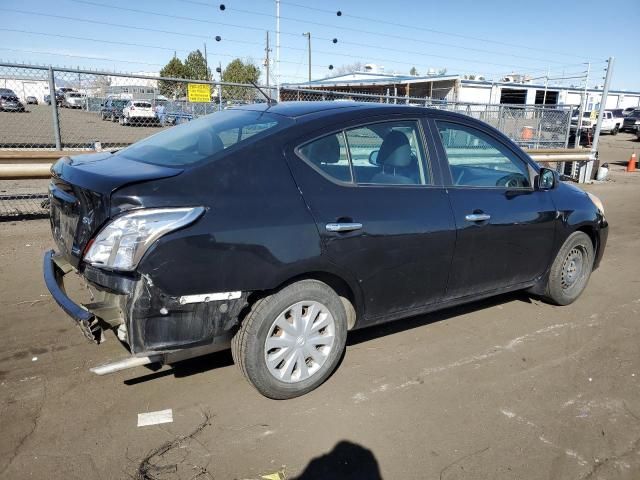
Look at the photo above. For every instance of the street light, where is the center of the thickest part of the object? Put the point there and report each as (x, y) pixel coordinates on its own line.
(308, 35)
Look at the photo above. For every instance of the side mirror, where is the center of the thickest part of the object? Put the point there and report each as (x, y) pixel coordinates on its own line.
(373, 157)
(547, 179)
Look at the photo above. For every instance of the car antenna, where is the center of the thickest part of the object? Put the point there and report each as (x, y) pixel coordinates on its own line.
(270, 101)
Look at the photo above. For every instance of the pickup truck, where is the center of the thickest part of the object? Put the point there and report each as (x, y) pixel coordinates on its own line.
(610, 123)
(632, 121)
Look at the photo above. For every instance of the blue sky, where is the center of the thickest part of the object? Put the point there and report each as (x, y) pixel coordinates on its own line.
(491, 38)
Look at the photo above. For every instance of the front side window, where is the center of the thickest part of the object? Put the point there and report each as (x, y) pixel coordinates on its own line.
(478, 160)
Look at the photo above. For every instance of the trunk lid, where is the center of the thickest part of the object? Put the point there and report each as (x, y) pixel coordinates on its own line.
(80, 194)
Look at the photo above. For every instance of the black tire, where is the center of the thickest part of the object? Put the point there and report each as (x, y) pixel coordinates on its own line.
(113, 117)
(248, 345)
(570, 270)
(615, 130)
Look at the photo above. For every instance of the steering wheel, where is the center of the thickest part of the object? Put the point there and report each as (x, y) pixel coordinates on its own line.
(513, 180)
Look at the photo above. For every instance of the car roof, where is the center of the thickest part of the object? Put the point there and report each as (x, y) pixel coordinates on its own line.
(296, 109)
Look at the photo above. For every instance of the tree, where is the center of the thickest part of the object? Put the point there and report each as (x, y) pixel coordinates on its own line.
(195, 66)
(240, 72)
(350, 68)
(413, 72)
(175, 69)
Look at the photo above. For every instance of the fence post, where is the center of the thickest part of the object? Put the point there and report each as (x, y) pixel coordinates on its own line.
(568, 131)
(54, 109)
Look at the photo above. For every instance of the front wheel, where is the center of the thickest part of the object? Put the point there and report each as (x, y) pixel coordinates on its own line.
(291, 341)
(571, 269)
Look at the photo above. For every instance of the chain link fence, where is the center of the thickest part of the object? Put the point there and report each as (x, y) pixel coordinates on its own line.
(52, 108)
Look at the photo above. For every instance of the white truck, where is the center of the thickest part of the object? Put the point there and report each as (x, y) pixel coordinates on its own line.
(611, 123)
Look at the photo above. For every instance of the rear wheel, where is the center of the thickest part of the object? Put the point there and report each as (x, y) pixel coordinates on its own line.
(615, 130)
(291, 341)
(571, 269)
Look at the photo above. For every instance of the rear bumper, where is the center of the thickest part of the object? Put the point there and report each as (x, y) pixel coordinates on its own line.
(154, 321)
(54, 269)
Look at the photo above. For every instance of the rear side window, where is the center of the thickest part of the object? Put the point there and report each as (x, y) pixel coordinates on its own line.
(203, 137)
(329, 154)
(384, 153)
(478, 160)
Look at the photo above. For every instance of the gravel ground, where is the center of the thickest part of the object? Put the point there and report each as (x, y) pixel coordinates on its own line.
(508, 388)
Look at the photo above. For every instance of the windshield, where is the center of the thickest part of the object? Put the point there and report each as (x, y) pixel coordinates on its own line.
(201, 138)
(75, 95)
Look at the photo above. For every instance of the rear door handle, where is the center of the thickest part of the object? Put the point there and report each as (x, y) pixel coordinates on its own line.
(343, 227)
(477, 217)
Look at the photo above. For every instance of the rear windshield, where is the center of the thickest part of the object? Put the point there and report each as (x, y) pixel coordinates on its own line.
(201, 138)
(142, 104)
(75, 95)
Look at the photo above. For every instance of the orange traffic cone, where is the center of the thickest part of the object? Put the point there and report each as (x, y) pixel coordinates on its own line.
(631, 166)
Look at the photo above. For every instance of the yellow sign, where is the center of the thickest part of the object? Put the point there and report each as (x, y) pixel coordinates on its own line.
(594, 114)
(199, 92)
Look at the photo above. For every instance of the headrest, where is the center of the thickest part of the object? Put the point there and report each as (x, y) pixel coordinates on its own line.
(395, 150)
(209, 143)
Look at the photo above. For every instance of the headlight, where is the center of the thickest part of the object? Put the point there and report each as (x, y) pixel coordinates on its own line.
(597, 202)
(121, 243)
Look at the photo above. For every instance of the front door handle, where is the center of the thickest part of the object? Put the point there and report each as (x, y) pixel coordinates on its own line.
(477, 217)
(343, 227)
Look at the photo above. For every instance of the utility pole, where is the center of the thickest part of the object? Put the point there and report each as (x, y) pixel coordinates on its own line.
(308, 35)
(603, 106)
(219, 70)
(206, 62)
(267, 60)
(278, 49)
(583, 106)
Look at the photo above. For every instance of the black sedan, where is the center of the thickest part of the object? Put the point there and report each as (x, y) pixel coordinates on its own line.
(277, 229)
(10, 103)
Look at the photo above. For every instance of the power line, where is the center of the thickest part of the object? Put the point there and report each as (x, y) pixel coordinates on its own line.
(147, 12)
(431, 30)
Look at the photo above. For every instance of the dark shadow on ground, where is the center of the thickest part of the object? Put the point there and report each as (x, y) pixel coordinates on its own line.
(345, 462)
(358, 336)
(223, 359)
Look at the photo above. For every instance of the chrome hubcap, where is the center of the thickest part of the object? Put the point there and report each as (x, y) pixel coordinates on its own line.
(299, 341)
(572, 268)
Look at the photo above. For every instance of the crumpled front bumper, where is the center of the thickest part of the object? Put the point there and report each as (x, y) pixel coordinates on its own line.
(54, 269)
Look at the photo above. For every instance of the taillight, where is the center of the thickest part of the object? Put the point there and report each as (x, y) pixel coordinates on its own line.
(132, 107)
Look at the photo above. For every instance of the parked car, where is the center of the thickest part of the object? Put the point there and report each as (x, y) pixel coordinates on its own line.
(59, 97)
(111, 109)
(138, 112)
(631, 121)
(74, 100)
(278, 229)
(31, 100)
(627, 111)
(610, 124)
(10, 103)
(8, 92)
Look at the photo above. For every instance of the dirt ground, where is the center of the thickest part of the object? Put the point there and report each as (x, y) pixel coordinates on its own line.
(78, 128)
(509, 388)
